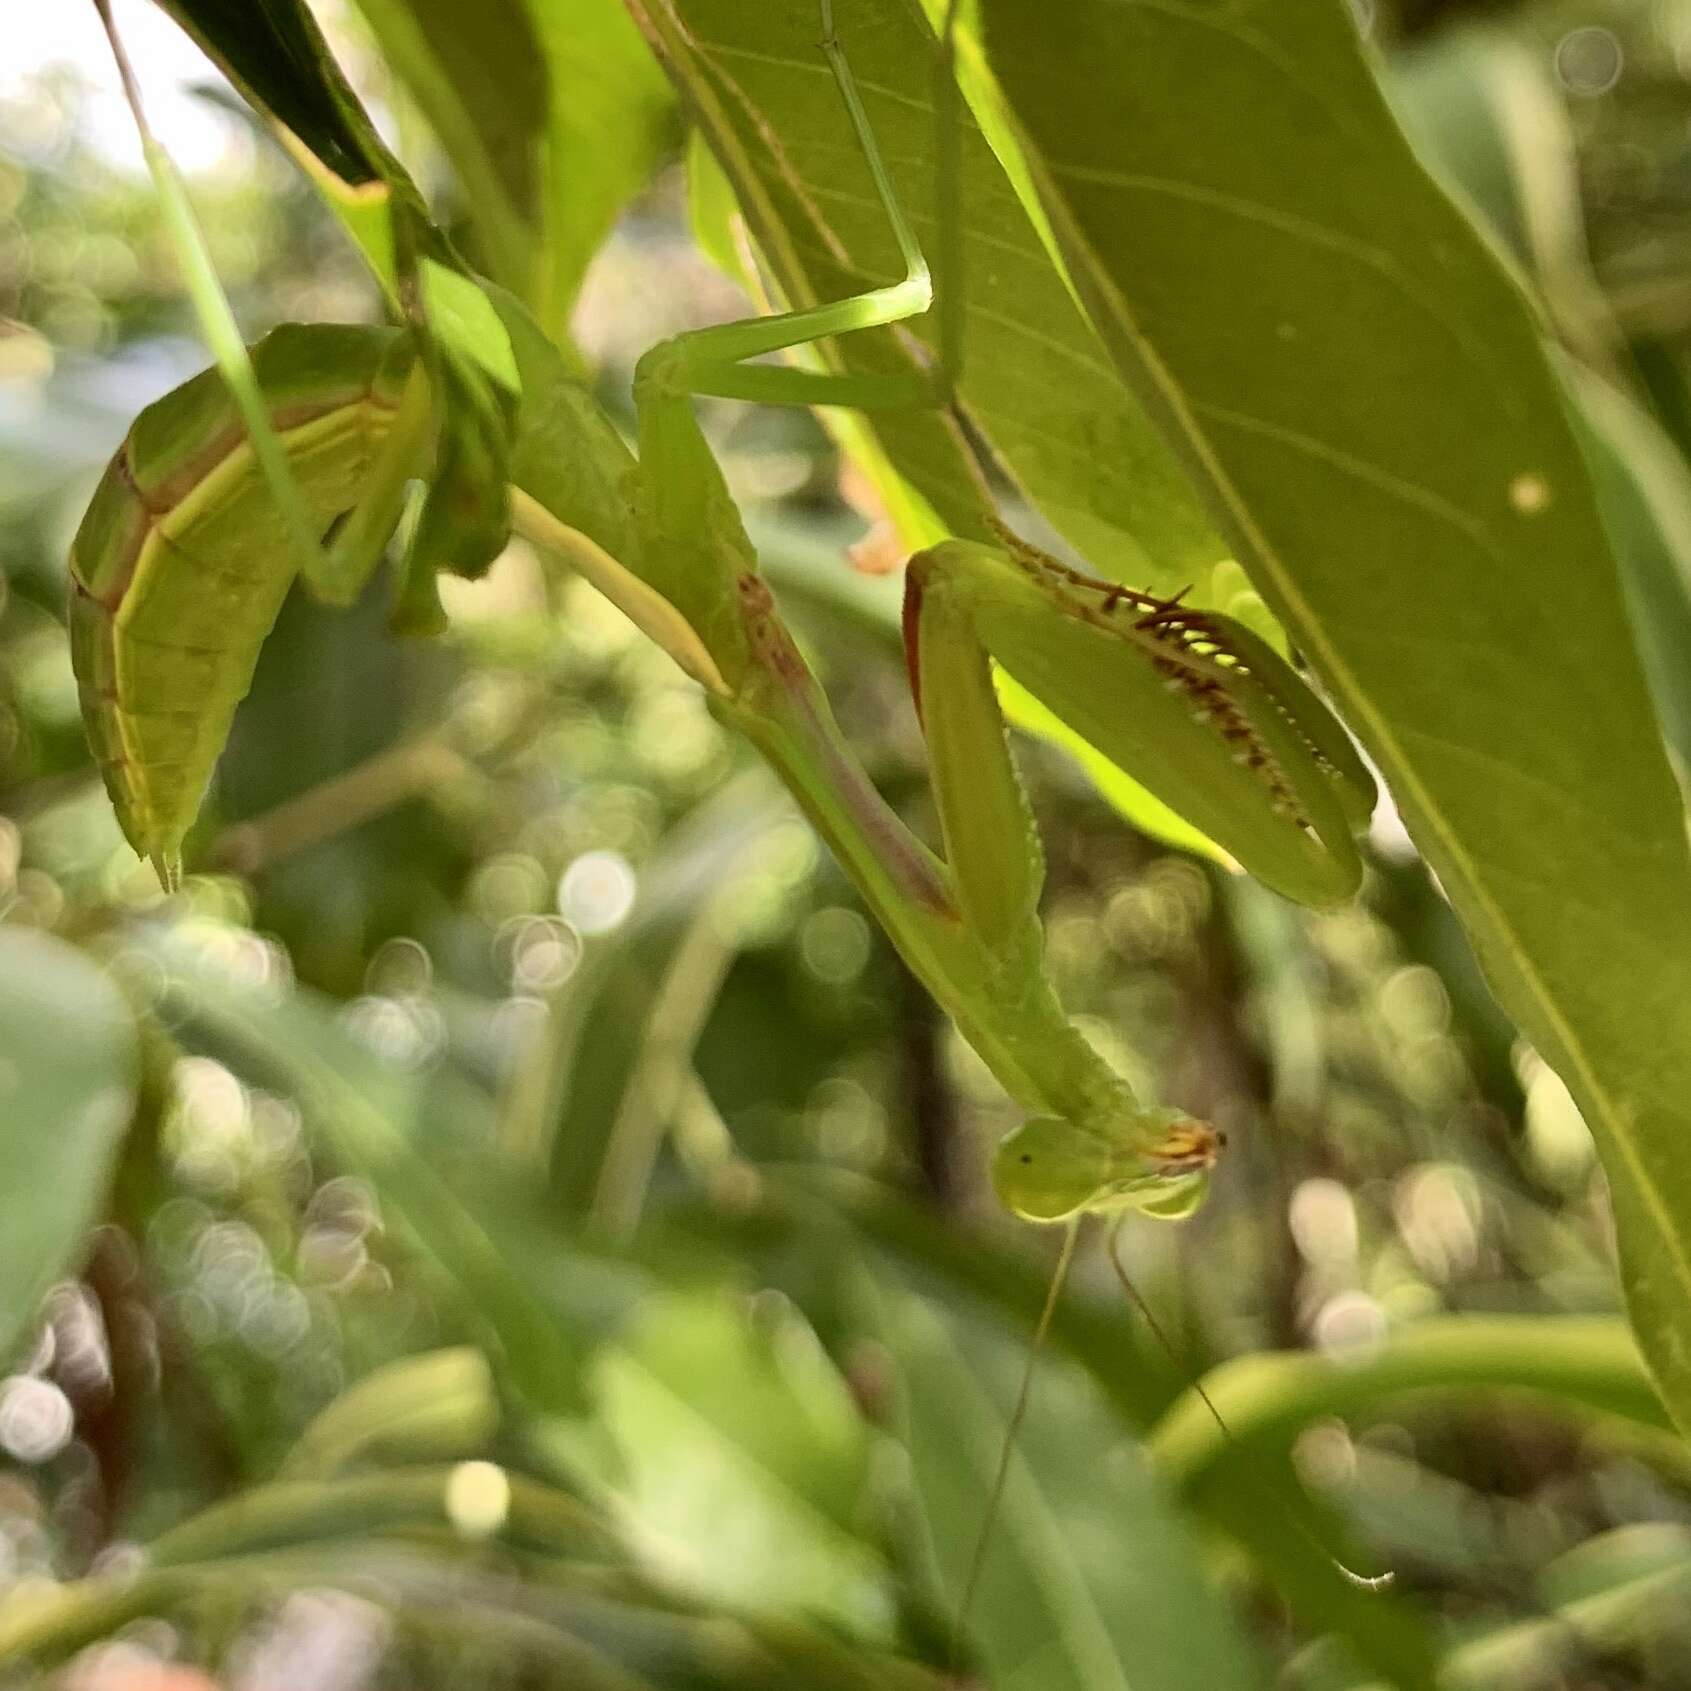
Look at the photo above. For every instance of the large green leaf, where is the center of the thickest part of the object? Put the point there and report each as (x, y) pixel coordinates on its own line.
(1089, 1580)
(1364, 396)
(742, 1468)
(68, 1072)
(478, 74)
(1036, 383)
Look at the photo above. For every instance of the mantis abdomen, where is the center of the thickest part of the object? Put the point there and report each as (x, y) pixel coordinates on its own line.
(181, 565)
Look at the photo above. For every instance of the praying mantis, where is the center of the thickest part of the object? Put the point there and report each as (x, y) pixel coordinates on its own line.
(181, 564)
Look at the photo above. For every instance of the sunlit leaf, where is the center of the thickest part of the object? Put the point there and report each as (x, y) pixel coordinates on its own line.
(1035, 380)
(1089, 1579)
(743, 1464)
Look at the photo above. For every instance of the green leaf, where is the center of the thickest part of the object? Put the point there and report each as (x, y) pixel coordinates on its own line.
(1623, 1588)
(555, 115)
(1365, 397)
(1090, 1579)
(610, 121)
(1036, 383)
(744, 1465)
(68, 1077)
(1584, 1363)
(418, 1408)
(478, 75)
(467, 319)
(289, 1513)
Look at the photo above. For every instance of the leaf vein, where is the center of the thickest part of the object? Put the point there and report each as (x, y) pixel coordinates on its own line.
(1294, 226)
(1362, 469)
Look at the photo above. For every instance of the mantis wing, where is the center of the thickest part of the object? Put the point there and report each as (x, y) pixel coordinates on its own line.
(181, 563)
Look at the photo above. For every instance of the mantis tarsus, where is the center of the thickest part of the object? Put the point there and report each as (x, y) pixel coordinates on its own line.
(181, 565)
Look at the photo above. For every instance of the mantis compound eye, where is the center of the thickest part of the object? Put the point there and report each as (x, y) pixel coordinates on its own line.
(1183, 1154)
(1048, 1169)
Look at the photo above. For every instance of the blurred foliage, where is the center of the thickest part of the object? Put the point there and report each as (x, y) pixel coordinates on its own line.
(550, 1244)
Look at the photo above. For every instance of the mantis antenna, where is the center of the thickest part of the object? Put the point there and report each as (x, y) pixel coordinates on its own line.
(1024, 1392)
(1365, 1582)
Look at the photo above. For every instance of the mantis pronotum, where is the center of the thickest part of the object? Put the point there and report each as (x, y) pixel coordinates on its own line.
(181, 565)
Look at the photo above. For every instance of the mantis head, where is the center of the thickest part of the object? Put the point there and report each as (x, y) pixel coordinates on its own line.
(1158, 1162)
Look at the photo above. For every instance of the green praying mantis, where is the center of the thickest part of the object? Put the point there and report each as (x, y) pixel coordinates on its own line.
(183, 559)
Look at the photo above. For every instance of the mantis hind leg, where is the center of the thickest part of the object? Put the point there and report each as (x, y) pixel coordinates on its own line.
(696, 550)
(713, 361)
